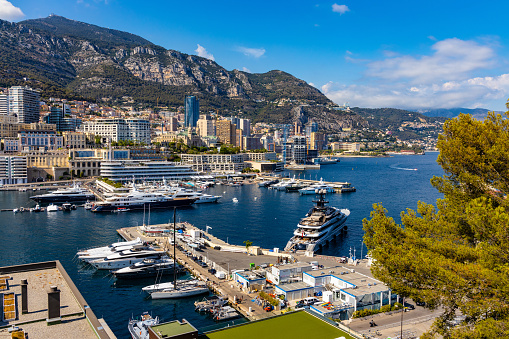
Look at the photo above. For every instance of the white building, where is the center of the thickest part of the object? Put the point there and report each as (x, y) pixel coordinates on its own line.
(4, 104)
(147, 170)
(206, 126)
(137, 130)
(24, 103)
(13, 170)
(224, 163)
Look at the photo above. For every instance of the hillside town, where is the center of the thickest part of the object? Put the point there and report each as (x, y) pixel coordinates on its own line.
(61, 139)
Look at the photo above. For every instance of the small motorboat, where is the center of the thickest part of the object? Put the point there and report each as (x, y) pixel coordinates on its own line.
(235, 200)
(52, 208)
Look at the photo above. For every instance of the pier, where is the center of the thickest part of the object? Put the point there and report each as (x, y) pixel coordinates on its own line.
(228, 258)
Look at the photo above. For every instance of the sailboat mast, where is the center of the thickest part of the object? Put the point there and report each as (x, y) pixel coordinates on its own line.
(174, 248)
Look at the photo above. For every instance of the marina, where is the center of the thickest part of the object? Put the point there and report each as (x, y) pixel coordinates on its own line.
(264, 216)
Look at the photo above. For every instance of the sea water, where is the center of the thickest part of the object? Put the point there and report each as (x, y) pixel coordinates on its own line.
(264, 216)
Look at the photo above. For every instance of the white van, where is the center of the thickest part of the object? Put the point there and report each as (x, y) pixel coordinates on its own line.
(310, 301)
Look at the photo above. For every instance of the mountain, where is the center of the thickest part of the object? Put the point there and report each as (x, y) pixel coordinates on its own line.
(477, 113)
(405, 125)
(73, 59)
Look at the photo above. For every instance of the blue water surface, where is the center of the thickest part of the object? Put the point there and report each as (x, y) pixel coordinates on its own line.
(397, 182)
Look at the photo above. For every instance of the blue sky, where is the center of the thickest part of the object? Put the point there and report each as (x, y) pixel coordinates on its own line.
(403, 54)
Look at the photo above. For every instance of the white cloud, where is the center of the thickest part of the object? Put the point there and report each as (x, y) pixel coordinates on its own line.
(10, 12)
(341, 9)
(202, 52)
(470, 93)
(245, 69)
(252, 52)
(452, 59)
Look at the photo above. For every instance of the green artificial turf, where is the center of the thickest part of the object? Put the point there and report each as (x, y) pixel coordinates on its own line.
(291, 325)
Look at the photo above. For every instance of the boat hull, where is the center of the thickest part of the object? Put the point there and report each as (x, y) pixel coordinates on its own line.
(68, 198)
(179, 294)
(147, 205)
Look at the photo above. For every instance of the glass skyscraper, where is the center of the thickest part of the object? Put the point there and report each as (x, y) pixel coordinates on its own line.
(192, 111)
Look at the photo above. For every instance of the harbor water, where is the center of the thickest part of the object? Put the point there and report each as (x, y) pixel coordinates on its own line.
(265, 217)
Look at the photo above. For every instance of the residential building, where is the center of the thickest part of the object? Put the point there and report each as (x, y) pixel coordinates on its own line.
(245, 126)
(4, 104)
(267, 142)
(13, 170)
(57, 116)
(206, 126)
(298, 149)
(311, 127)
(251, 143)
(346, 146)
(24, 103)
(75, 140)
(317, 141)
(30, 140)
(226, 132)
(137, 130)
(9, 126)
(192, 111)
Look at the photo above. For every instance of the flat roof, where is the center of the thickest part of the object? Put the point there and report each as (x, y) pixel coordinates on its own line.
(329, 271)
(290, 266)
(40, 277)
(300, 324)
(173, 328)
(294, 286)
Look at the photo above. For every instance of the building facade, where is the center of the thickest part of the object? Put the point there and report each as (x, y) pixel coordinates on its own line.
(226, 132)
(149, 170)
(137, 130)
(24, 103)
(13, 170)
(192, 111)
(30, 140)
(206, 126)
(4, 104)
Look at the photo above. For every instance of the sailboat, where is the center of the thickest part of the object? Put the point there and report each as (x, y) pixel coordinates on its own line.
(189, 288)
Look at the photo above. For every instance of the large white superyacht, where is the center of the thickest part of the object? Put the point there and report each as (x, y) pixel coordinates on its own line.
(320, 225)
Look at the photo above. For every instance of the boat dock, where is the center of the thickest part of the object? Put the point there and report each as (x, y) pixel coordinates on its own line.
(226, 257)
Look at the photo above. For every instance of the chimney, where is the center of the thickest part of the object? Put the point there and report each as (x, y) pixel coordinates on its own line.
(24, 296)
(53, 306)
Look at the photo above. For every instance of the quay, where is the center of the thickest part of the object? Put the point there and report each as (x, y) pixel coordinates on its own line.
(229, 258)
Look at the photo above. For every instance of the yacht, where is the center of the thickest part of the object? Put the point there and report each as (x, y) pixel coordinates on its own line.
(320, 225)
(148, 268)
(68, 194)
(200, 198)
(139, 327)
(52, 208)
(167, 285)
(125, 258)
(281, 186)
(103, 254)
(136, 200)
(187, 290)
(321, 186)
(37, 208)
(89, 251)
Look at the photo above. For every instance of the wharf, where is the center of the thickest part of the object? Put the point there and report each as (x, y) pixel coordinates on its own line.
(228, 258)
(232, 260)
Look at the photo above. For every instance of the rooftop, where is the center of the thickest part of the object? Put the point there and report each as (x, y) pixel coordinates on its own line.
(294, 286)
(77, 319)
(299, 324)
(173, 328)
